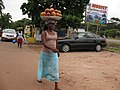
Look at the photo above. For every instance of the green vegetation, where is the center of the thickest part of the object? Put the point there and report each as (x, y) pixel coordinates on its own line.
(113, 33)
(112, 29)
(114, 38)
(1, 7)
(72, 10)
(5, 20)
(113, 47)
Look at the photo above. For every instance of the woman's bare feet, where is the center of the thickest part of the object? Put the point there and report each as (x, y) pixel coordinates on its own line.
(39, 81)
(56, 86)
(57, 89)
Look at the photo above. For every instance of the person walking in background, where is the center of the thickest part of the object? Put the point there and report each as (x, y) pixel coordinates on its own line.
(48, 62)
(20, 39)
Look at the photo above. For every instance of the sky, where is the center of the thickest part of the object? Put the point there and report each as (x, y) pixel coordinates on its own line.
(13, 7)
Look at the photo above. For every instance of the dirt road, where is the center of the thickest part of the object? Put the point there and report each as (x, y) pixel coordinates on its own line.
(18, 69)
(84, 70)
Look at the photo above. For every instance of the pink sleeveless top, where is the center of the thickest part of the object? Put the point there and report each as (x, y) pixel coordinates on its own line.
(51, 42)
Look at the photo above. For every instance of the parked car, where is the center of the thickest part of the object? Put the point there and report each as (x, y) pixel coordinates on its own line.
(82, 40)
(8, 34)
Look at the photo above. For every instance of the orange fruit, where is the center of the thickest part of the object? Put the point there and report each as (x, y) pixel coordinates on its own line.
(51, 9)
(47, 10)
(59, 11)
(53, 13)
(60, 15)
(43, 14)
(48, 13)
(57, 14)
(56, 11)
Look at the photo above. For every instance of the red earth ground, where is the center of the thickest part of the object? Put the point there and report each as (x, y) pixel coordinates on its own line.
(81, 70)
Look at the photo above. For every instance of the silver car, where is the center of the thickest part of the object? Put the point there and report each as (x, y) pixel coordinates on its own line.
(8, 34)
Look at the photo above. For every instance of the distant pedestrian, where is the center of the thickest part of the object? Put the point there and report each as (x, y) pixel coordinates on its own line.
(20, 39)
(48, 63)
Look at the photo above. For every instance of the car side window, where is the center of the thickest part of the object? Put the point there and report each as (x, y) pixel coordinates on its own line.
(82, 35)
(90, 35)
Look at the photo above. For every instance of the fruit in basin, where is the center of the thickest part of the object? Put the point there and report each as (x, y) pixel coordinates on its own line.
(47, 10)
(59, 11)
(51, 9)
(53, 13)
(58, 14)
(43, 14)
(48, 14)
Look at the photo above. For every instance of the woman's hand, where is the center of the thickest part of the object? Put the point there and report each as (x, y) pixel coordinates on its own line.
(55, 50)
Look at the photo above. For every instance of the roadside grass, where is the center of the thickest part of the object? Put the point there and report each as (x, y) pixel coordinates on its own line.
(114, 38)
(113, 47)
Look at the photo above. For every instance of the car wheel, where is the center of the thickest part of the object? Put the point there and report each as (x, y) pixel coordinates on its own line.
(98, 47)
(65, 48)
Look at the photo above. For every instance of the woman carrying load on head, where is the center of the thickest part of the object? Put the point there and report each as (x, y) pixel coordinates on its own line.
(48, 62)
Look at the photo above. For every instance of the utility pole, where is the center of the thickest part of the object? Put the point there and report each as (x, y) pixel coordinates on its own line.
(97, 29)
(88, 27)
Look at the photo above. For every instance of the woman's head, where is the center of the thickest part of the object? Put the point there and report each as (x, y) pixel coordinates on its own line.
(51, 24)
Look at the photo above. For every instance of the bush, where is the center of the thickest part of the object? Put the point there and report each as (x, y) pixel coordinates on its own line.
(111, 33)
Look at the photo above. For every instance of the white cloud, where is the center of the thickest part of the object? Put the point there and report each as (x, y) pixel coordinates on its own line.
(13, 7)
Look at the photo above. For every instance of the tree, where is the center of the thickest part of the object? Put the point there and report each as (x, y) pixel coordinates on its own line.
(116, 19)
(32, 10)
(1, 7)
(22, 23)
(5, 20)
(112, 29)
(72, 10)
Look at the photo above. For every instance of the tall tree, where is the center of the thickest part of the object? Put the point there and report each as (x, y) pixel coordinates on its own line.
(5, 20)
(1, 7)
(72, 10)
(22, 23)
(32, 10)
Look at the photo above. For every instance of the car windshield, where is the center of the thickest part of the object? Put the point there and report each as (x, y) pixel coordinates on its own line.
(9, 31)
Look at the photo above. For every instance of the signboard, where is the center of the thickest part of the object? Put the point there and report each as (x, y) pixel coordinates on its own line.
(96, 14)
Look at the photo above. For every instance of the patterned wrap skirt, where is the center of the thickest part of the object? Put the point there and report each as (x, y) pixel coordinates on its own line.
(48, 66)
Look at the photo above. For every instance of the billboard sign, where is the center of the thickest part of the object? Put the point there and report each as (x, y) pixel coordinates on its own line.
(96, 14)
